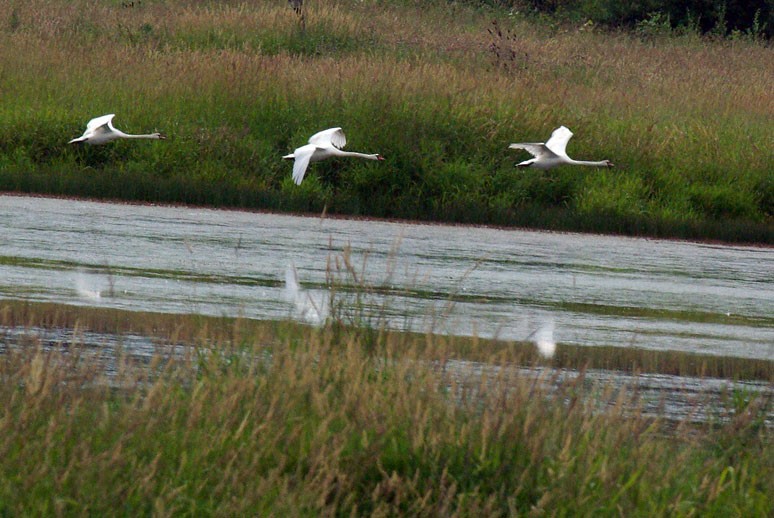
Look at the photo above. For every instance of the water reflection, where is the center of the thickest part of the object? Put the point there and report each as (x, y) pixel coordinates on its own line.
(677, 398)
(595, 290)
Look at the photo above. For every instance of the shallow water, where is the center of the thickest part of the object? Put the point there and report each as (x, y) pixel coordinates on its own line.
(675, 398)
(590, 290)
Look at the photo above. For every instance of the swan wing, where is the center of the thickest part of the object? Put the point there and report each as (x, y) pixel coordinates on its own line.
(303, 157)
(558, 141)
(331, 136)
(536, 149)
(97, 122)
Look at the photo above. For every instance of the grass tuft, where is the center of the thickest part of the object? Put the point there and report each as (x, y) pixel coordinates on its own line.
(276, 419)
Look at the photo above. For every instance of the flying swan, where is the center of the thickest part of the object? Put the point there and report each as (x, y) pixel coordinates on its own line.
(100, 130)
(322, 145)
(552, 153)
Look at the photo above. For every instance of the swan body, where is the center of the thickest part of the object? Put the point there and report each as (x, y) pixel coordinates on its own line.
(553, 152)
(324, 144)
(100, 130)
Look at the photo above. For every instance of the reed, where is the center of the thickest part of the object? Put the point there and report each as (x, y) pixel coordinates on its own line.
(201, 329)
(436, 90)
(314, 423)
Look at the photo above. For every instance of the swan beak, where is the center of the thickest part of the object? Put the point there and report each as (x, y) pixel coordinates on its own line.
(379, 157)
(610, 164)
(162, 136)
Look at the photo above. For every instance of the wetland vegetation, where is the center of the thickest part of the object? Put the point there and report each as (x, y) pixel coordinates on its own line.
(440, 91)
(275, 418)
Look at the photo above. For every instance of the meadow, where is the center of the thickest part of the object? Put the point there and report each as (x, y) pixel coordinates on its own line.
(440, 89)
(280, 419)
(274, 418)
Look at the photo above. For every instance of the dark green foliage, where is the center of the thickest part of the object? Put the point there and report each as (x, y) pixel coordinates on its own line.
(718, 17)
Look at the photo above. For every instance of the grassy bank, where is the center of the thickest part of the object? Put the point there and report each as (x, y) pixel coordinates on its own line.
(439, 90)
(326, 427)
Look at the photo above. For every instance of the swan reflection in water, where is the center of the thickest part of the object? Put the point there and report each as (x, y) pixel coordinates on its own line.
(312, 308)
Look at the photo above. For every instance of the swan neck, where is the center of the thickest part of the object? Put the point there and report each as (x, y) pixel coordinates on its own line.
(150, 136)
(357, 155)
(589, 163)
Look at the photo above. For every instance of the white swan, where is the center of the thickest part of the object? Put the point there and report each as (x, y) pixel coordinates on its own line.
(322, 145)
(552, 153)
(100, 130)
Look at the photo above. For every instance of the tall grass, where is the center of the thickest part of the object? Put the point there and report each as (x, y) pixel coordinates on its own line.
(237, 85)
(323, 426)
(190, 328)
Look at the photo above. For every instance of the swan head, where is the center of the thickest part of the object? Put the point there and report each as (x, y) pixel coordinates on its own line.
(159, 136)
(608, 163)
(379, 157)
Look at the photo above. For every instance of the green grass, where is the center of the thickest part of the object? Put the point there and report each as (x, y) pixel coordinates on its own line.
(435, 90)
(323, 426)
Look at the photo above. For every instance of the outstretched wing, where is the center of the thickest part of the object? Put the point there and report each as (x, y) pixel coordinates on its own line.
(99, 121)
(303, 156)
(536, 149)
(330, 136)
(559, 139)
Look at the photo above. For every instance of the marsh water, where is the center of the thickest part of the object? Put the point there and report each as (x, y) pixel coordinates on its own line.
(586, 289)
(511, 284)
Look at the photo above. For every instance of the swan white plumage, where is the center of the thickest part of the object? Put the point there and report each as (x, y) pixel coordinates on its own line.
(322, 145)
(553, 152)
(100, 130)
